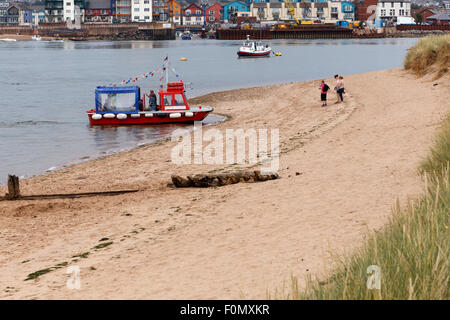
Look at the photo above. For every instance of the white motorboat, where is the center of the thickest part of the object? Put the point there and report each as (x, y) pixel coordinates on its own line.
(36, 38)
(254, 49)
(8, 40)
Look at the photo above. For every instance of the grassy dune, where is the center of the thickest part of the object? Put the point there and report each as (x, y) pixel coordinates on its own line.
(429, 52)
(412, 250)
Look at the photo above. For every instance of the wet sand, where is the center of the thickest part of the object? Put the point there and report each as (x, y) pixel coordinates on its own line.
(341, 167)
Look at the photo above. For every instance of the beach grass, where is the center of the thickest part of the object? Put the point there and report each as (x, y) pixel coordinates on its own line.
(430, 51)
(410, 253)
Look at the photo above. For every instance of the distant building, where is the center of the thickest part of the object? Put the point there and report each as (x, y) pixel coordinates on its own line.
(141, 11)
(38, 14)
(98, 11)
(193, 15)
(230, 10)
(389, 11)
(58, 11)
(175, 12)
(160, 10)
(19, 14)
(214, 13)
(442, 18)
(122, 11)
(421, 15)
(3, 7)
(326, 11)
(446, 5)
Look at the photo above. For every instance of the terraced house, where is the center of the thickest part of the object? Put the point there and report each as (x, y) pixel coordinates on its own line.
(193, 15)
(141, 11)
(3, 7)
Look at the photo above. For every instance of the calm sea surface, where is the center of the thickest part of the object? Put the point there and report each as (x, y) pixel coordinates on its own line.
(45, 87)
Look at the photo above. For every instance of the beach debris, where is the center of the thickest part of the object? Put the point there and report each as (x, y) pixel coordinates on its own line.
(13, 187)
(14, 192)
(222, 179)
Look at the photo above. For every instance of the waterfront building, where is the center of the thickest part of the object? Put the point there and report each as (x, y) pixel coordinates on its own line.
(58, 11)
(141, 11)
(442, 18)
(175, 12)
(324, 11)
(4, 4)
(37, 14)
(160, 10)
(389, 11)
(193, 15)
(214, 13)
(231, 9)
(98, 11)
(122, 11)
(18, 14)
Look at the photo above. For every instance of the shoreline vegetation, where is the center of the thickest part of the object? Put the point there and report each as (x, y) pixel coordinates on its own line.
(411, 253)
(341, 168)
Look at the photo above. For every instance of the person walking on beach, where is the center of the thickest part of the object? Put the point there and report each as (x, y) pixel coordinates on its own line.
(323, 93)
(340, 88)
(336, 77)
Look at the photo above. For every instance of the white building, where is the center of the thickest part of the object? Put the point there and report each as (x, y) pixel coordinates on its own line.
(141, 11)
(391, 10)
(68, 10)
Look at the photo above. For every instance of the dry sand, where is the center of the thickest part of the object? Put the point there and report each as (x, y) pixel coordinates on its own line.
(353, 161)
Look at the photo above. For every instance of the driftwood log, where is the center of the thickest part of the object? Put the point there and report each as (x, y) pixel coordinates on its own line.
(14, 193)
(222, 179)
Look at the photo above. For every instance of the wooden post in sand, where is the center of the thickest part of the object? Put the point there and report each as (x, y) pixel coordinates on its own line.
(13, 187)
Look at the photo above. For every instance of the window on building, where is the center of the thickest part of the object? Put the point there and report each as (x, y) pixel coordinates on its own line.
(68, 11)
(188, 12)
(146, 1)
(211, 18)
(401, 4)
(392, 4)
(392, 12)
(198, 12)
(136, 1)
(382, 4)
(68, 4)
(136, 9)
(199, 19)
(146, 9)
(147, 18)
(334, 9)
(136, 17)
(319, 10)
(383, 12)
(211, 12)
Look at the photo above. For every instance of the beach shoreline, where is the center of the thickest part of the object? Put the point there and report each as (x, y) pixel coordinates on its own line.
(341, 169)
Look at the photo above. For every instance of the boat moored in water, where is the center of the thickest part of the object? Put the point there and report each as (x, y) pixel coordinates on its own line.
(254, 49)
(121, 106)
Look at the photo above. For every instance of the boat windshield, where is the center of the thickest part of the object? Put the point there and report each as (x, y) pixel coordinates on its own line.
(117, 102)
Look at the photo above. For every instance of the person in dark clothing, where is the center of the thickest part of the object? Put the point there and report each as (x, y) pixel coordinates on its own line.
(141, 105)
(153, 101)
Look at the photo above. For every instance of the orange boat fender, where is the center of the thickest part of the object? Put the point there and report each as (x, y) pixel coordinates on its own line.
(175, 115)
(121, 116)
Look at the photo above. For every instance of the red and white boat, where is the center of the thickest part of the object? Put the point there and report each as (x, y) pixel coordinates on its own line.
(254, 49)
(120, 106)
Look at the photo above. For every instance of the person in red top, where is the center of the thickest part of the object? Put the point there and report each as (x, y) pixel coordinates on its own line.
(323, 93)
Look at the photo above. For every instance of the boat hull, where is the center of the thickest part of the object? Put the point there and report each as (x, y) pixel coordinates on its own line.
(159, 117)
(254, 54)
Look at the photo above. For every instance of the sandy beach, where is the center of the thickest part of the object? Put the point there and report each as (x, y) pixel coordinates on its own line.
(341, 170)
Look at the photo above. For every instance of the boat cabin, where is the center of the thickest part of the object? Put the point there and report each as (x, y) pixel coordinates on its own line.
(126, 99)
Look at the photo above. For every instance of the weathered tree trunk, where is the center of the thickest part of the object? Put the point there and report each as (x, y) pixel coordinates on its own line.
(222, 179)
(13, 187)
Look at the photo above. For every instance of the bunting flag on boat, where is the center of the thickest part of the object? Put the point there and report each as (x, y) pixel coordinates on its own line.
(165, 66)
